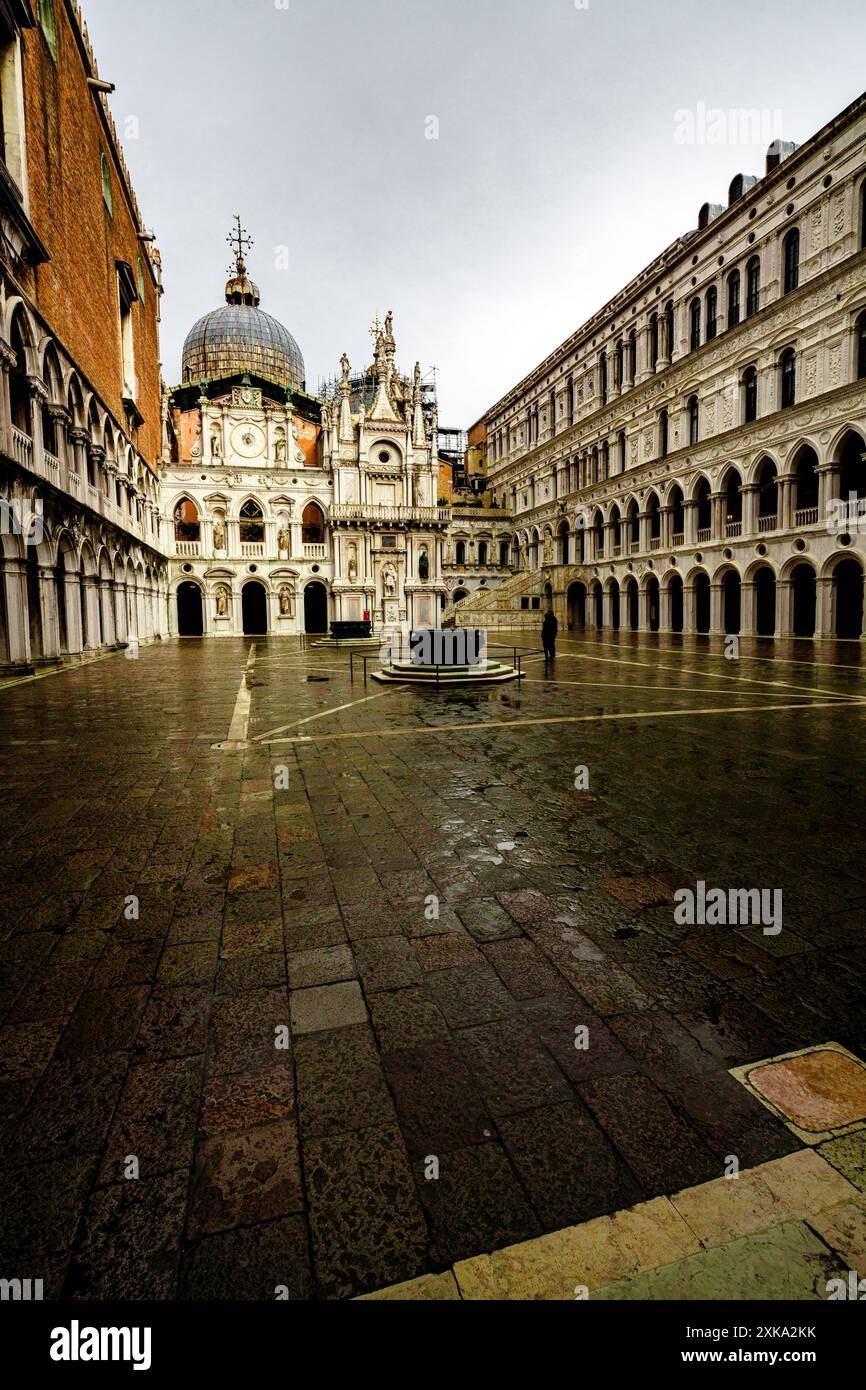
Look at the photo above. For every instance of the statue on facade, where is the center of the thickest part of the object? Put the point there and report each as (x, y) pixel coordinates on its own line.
(424, 566)
(389, 581)
(353, 565)
(283, 538)
(219, 534)
(285, 601)
(280, 453)
(222, 601)
(548, 548)
(216, 445)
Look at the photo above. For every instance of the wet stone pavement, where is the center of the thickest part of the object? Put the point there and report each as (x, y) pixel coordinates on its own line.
(302, 1014)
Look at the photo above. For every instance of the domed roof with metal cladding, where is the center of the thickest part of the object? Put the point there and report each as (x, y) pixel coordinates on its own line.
(241, 338)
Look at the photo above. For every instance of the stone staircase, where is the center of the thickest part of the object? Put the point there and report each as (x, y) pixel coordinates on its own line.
(499, 607)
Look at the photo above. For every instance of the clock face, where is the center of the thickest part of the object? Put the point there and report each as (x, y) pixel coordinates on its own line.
(248, 441)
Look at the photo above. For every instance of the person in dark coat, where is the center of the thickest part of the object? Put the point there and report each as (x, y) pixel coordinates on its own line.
(549, 629)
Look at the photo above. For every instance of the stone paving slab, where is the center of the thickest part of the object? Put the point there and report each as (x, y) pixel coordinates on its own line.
(430, 951)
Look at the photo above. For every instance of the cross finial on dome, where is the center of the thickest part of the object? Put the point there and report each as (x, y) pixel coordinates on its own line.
(240, 241)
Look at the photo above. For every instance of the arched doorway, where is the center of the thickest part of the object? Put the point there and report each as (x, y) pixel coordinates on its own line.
(316, 607)
(675, 591)
(702, 603)
(804, 587)
(731, 593)
(190, 613)
(848, 599)
(614, 605)
(765, 602)
(598, 605)
(577, 606)
(631, 598)
(652, 593)
(455, 597)
(254, 602)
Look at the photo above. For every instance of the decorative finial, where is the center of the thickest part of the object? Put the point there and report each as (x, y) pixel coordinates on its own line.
(240, 241)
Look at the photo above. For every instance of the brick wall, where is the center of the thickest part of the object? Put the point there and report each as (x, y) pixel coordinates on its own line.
(76, 291)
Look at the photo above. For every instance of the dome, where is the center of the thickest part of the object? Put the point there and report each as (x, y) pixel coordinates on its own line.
(241, 338)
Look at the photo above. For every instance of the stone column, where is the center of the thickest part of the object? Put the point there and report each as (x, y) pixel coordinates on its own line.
(749, 493)
(748, 609)
(784, 608)
(717, 625)
(786, 502)
(667, 514)
(14, 574)
(8, 359)
(74, 635)
(50, 613)
(665, 607)
(644, 532)
(690, 521)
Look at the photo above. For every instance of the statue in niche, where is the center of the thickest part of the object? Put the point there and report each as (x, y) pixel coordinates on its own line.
(285, 601)
(219, 534)
(216, 445)
(222, 601)
(353, 564)
(424, 566)
(283, 538)
(281, 448)
(389, 581)
(548, 549)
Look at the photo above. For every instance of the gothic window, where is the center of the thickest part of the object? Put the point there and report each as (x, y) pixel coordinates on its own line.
(753, 286)
(733, 299)
(664, 433)
(602, 367)
(695, 320)
(861, 346)
(312, 525)
(712, 312)
(694, 420)
(186, 522)
(252, 524)
(792, 260)
(460, 553)
(750, 392)
(653, 341)
(788, 365)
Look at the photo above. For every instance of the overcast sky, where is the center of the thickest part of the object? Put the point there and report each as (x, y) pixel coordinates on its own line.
(560, 168)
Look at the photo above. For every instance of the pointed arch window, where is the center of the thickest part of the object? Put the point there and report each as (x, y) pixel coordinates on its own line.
(733, 299)
(664, 434)
(695, 321)
(788, 366)
(750, 393)
(186, 521)
(861, 346)
(694, 420)
(252, 524)
(653, 341)
(753, 286)
(712, 312)
(792, 260)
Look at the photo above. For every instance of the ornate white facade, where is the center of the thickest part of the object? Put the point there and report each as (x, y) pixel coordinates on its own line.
(674, 464)
(289, 514)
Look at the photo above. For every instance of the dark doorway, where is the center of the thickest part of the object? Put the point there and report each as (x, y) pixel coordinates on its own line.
(316, 608)
(633, 612)
(675, 590)
(190, 616)
(702, 603)
(598, 605)
(732, 601)
(848, 590)
(254, 601)
(803, 580)
(577, 607)
(34, 605)
(652, 593)
(765, 602)
(614, 606)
